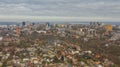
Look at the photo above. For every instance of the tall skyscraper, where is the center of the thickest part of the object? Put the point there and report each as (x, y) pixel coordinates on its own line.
(23, 23)
(48, 26)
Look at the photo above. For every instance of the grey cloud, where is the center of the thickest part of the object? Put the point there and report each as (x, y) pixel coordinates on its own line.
(77, 8)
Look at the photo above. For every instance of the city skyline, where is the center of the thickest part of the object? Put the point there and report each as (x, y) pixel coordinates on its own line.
(59, 10)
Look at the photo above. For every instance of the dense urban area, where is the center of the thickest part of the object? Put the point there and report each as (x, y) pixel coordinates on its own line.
(60, 45)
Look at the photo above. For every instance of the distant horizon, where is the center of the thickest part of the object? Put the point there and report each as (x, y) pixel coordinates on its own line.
(60, 22)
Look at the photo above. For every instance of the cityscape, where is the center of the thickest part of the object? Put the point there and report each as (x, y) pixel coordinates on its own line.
(60, 45)
(59, 33)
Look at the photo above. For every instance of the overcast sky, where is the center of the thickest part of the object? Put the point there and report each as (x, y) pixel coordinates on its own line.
(60, 10)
